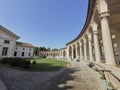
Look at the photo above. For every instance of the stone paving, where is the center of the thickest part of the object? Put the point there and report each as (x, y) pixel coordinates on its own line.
(114, 70)
(2, 86)
(78, 77)
(24, 80)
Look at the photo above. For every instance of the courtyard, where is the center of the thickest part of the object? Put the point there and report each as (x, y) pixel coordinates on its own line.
(77, 76)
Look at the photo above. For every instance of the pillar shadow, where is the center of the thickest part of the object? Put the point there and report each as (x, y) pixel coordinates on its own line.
(60, 82)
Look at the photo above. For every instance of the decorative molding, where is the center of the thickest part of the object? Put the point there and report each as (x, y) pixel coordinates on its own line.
(104, 14)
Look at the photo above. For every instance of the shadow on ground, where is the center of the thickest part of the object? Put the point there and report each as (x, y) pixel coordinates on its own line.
(60, 82)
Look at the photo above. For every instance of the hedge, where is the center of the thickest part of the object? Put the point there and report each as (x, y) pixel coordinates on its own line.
(20, 62)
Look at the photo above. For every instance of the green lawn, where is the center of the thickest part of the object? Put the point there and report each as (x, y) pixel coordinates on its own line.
(49, 64)
(42, 65)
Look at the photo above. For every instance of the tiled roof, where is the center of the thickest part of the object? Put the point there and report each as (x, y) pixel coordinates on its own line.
(24, 44)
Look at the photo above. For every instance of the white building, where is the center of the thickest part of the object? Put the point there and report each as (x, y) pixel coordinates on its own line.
(9, 47)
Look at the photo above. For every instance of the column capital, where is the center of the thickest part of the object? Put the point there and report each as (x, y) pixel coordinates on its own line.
(104, 14)
(89, 36)
(95, 32)
(89, 39)
(80, 44)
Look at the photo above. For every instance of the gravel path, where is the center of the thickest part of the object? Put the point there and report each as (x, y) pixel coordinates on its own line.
(24, 80)
(79, 77)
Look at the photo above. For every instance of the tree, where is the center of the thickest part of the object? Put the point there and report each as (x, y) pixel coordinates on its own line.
(48, 49)
(36, 51)
(55, 49)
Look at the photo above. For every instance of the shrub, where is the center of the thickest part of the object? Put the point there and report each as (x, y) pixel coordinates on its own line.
(25, 63)
(15, 61)
(33, 63)
(5, 60)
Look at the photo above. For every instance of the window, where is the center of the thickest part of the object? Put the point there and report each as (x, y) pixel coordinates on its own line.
(7, 41)
(29, 54)
(4, 51)
(22, 53)
(15, 53)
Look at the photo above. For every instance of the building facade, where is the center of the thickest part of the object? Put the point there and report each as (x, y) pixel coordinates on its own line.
(99, 40)
(49, 54)
(63, 53)
(10, 47)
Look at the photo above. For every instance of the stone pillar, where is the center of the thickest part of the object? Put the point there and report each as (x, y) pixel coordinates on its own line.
(76, 51)
(62, 53)
(81, 51)
(72, 52)
(85, 53)
(90, 49)
(97, 48)
(67, 53)
(107, 42)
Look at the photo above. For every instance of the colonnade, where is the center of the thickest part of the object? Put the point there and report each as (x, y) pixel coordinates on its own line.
(96, 43)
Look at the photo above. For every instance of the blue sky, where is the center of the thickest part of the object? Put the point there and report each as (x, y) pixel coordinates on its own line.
(49, 23)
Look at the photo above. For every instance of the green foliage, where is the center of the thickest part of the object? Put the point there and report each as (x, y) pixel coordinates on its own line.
(25, 64)
(33, 64)
(19, 62)
(55, 49)
(15, 62)
(4, 60)
(36, 51)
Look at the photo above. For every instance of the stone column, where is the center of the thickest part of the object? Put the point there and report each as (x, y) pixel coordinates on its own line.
(72, 52)
(85, 53)
(107, 42)
(81, 51)
(97, 48)
(76, 51)
(90, 49)
(67, 53)
(62, 53)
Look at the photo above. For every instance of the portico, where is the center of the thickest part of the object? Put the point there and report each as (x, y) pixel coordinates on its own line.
(99, 39)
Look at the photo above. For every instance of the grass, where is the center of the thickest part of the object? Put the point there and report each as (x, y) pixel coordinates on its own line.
(49, 64)
(42, 65)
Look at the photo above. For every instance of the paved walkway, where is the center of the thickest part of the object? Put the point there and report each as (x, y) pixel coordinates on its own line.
(78, 77)
(2, 86)
(114, 70)
(24, 80)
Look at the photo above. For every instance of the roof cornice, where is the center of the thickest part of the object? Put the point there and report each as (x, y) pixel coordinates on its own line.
(9, 32)
(91, 6)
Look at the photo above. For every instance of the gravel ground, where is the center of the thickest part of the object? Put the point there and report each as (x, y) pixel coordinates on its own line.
(24, 80)
(78, 77)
